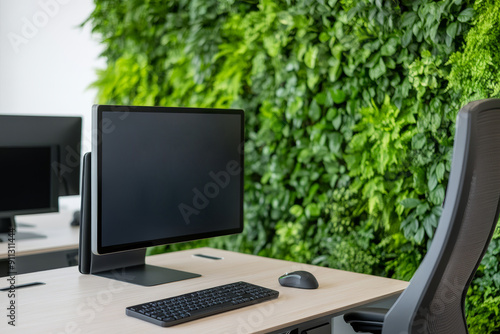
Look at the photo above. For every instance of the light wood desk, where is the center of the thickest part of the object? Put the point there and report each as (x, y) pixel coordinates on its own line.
(75, 303)
(60, 242)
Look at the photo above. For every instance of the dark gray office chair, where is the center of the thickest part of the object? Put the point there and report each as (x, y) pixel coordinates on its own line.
(434, 300)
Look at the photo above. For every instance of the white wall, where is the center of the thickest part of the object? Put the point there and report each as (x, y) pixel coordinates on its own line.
(47, 61)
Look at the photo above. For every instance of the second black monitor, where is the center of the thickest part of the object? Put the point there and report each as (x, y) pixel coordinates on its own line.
(65, 132)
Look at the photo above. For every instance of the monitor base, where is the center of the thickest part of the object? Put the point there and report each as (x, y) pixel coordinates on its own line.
(130, 267)
(146, 275)
(4, 237)
(6, 225)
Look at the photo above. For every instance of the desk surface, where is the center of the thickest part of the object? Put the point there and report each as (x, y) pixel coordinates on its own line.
(75, 303)
(60, 235)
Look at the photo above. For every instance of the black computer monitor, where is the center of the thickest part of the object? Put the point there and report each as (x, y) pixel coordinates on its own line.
(30, 133)
(64, 132)
(29, 184)
(164, 175)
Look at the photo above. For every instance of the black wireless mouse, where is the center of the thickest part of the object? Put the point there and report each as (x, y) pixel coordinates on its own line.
(299, 279)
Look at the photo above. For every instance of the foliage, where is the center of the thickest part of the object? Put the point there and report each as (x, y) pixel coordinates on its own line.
(483, 297)
(475, 68)
(350, 115)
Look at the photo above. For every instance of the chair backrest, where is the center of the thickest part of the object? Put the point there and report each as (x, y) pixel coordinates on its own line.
(434, 299)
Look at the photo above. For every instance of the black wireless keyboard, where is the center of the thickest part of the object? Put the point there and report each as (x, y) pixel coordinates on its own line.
(176, 310)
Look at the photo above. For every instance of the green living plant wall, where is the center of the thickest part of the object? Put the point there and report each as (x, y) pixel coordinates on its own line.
(350, 114)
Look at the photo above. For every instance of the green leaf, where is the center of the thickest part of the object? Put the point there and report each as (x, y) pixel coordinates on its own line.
(437, 195)
(338, 95)
(314, 111)
(334, 69)
(390, 47)
(272, 45)
(331, 114)
(440, 169)
(374, 203)
(432, 182)
(311, 56)
(451, 30)
(429, 223)
(312, 80)
(414, 225)
(296, 210)
(320, 98)
(378, 70)
(418, 141)
(312, 193)
(406, 39)
(437, 211)
(337, 122)
(335, 142)
(419, 236)
(312, 210)
(410, 203)
(408, 19)
(358, 141)
(422, 208)
(466, 15)
(323, 37)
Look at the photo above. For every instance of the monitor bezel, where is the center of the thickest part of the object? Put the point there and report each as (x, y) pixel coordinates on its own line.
(96, 176)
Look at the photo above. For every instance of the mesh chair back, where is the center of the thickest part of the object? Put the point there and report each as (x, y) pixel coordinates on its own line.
(434, 300)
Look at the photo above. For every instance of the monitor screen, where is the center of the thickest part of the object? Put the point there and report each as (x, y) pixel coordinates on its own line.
(166, 175)
(29, 184)
(62, 131)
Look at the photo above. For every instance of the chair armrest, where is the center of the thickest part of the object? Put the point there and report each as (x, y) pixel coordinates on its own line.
(366, 319)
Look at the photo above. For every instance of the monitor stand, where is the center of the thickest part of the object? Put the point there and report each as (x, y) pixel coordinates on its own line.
(128, 266)
(6, 225)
